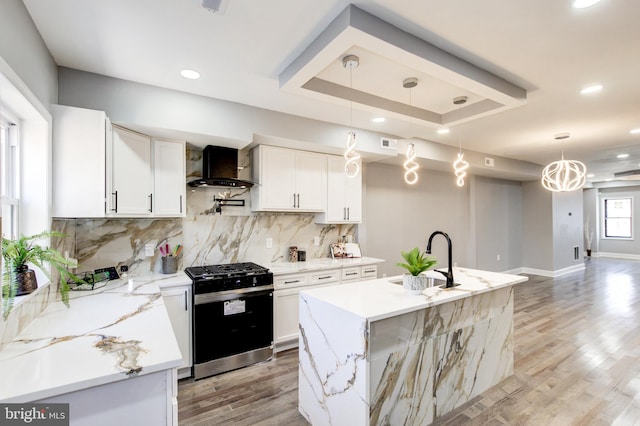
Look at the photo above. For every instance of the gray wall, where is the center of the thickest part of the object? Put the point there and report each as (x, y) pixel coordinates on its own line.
(498, 219)
(23, 49)
(537, 227)
(400, 217)
(622, 247)
(567, 229)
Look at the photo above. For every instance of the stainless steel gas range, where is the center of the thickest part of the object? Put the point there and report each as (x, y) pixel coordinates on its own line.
(232, 317)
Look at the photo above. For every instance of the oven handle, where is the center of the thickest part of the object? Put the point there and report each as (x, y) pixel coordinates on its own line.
(221, 296)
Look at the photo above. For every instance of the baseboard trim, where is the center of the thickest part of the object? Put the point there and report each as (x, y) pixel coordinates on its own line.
(616, 255)
(552, 274)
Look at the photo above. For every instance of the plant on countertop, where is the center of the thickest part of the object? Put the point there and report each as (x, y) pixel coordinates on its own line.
(17, 253)
(417, 262)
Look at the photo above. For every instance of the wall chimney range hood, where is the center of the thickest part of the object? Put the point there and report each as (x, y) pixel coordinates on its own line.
(220, 168)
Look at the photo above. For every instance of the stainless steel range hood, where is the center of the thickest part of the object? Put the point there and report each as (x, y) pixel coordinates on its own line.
(220, 168)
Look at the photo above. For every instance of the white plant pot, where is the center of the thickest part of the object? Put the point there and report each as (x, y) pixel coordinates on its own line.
(415, 284)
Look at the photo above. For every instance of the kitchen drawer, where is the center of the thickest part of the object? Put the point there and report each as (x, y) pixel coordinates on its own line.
(290, 281)
(369, 272)
(351, 274)
(325, 277)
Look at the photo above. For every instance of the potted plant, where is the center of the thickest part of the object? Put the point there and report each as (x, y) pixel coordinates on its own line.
(414, 282)
(18, 279)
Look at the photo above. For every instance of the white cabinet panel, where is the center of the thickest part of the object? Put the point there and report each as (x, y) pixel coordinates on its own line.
(169, 178)
(285, 316)
(177, 300)
(131, 184)
(344, 194)
(288, 180)
(79, 137)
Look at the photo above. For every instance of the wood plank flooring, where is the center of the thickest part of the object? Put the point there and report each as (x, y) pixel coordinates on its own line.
(577, 362)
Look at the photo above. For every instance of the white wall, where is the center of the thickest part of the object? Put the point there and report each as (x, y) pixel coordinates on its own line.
(537, 227)
(568, 225)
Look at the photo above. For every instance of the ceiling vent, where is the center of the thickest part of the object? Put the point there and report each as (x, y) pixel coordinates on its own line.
(628, 175)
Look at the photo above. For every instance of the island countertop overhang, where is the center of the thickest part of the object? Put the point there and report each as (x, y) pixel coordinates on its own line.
(378, 299)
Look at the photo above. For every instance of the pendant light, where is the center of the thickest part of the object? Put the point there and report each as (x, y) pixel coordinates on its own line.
(351, 156)
(564, 175)
(410, 165)
(460, 166)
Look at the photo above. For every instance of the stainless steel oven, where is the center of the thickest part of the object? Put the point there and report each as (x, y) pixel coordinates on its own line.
(232, 317)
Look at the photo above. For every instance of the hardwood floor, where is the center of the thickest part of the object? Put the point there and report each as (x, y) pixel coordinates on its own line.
(577, 362)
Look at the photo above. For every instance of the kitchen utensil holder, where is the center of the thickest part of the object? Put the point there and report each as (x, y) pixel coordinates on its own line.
(169, 265)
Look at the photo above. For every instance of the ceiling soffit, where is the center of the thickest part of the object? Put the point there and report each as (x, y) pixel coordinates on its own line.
(393, 54)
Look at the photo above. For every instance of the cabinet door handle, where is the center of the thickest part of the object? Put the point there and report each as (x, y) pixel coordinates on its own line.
(292, 282)
(344, 213)
(348, 213)
(181, 204)
(185, 300)
(298, 206)
(294, 200)
(150, 203)
(115, 204)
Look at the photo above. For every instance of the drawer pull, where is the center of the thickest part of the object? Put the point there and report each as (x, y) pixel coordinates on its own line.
(351, 273)
(369, 271)
(292, 282)
(326, 277)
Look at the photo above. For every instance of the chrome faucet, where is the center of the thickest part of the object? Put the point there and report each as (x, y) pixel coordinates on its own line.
(449, 273)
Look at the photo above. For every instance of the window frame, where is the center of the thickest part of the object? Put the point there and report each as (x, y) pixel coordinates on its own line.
(10, 178)
(604, 218)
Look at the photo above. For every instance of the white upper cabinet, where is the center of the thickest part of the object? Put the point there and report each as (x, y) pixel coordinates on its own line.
(79, 140)
(288, 180)
(344, 194)
(169, 193)
(130, 187)
(105, 171)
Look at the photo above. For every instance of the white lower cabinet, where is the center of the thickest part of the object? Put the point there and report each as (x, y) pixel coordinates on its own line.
(177, 300)
(286, 301)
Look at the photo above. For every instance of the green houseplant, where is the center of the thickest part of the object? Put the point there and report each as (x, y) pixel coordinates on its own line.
(416, 263)
(18, 279)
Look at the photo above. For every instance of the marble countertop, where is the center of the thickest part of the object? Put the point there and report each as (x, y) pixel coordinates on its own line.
(318, 264)
(382, 298)
(113, 333)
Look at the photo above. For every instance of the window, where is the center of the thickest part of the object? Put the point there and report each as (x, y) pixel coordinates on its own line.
(618, 217)
(9, 177)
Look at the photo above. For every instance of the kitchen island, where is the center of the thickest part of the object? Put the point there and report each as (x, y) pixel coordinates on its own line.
(371, 354)
(112, 356)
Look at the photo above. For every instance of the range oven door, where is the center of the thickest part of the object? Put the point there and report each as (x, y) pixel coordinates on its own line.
(230, 324)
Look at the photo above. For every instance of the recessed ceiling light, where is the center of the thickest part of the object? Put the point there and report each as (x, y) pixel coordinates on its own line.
(590, 175)
(581, 4)
(608, 180)
(591, 89)
(379, 119)
(190, 74)
(622, 155)
(635, 131)
(443, 131)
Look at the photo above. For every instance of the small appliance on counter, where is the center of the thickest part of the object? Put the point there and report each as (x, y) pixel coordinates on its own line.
(93, 280)
(232, 317)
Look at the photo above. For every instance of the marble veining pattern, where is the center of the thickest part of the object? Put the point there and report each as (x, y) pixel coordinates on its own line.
(68, 349)
(423, 355)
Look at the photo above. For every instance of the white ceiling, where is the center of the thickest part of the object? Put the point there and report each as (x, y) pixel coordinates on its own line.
(545, 47)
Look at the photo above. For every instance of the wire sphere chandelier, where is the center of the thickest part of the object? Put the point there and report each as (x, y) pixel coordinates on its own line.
(564, 175)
